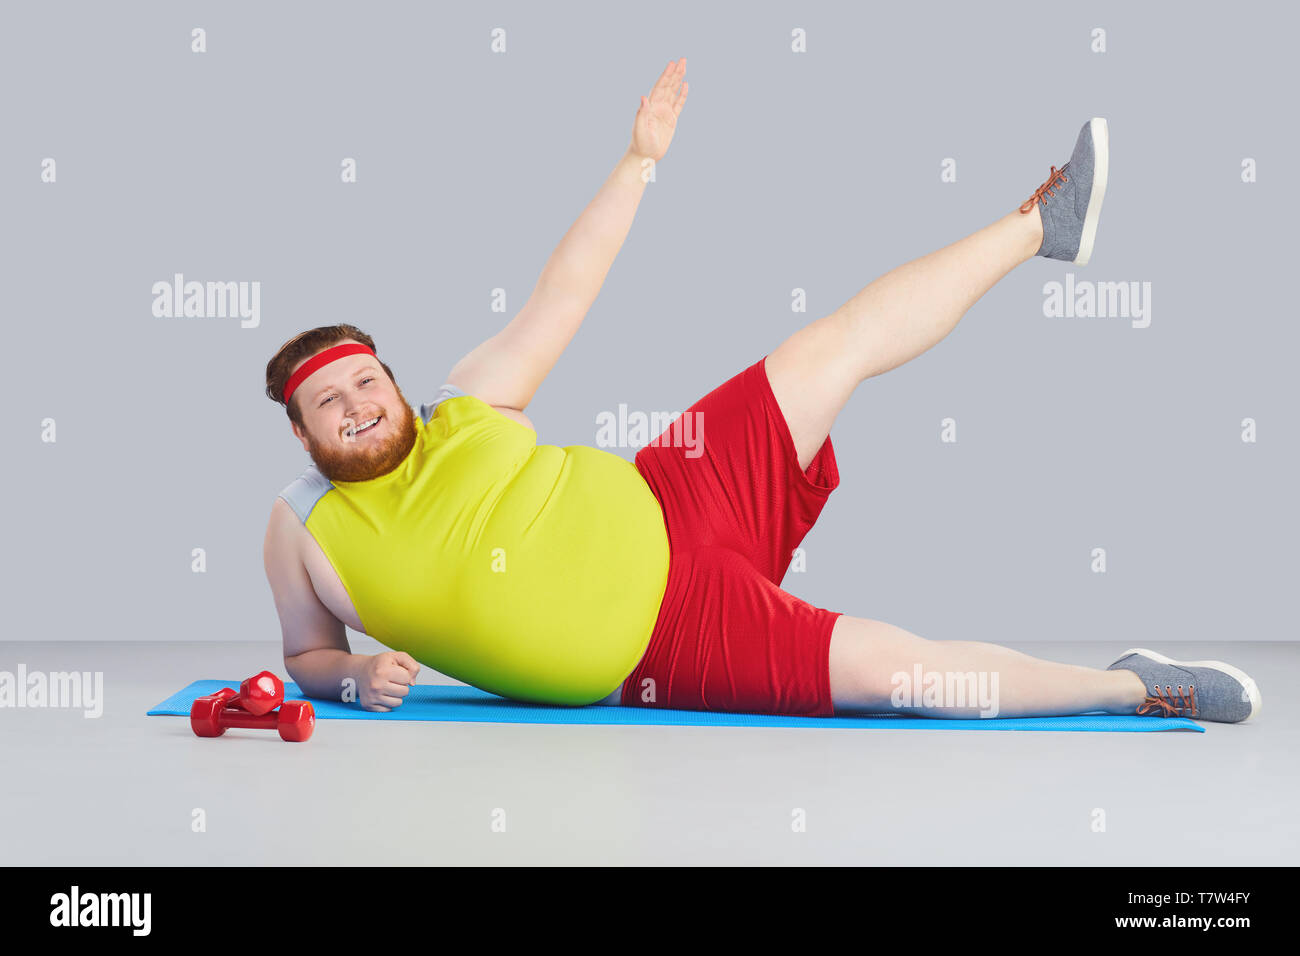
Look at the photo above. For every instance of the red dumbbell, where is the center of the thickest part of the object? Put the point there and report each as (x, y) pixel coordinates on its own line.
(214, 714)
(260, 694)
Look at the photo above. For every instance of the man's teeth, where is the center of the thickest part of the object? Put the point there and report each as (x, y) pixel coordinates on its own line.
(364, 425)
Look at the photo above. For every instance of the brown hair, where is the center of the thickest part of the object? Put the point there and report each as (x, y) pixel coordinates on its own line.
(303, 346)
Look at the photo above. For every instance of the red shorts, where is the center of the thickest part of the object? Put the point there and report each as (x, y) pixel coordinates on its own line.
(727, 636)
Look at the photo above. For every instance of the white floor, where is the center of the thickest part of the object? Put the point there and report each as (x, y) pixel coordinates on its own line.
(123, 788)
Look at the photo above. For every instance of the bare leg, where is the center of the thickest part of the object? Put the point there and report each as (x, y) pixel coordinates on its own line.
(894, 319)
(867, 655)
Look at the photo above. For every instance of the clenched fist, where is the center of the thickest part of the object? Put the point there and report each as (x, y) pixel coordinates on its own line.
(386, 679)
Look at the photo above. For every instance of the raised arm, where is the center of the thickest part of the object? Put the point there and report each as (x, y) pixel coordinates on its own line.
(508, 368)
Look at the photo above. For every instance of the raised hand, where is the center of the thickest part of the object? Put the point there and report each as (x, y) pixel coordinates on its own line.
(656, 120)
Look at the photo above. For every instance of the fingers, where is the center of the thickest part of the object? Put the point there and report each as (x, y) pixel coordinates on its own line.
(391, 680)
(397, 666)
(681, 100)
(391, 696)
(661, 85)
(665, 89)
(387, 695)
(410, 663)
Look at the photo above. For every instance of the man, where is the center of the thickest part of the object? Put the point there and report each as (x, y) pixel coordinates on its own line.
(571, 576)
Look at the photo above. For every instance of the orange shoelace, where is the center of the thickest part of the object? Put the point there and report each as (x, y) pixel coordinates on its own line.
(1053, 181)
(1169, 703)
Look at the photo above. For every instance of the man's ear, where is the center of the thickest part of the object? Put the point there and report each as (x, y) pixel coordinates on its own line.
(301, 435)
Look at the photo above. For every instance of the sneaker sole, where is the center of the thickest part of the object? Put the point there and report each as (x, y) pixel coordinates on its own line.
(1100, 174)
(1252, 689)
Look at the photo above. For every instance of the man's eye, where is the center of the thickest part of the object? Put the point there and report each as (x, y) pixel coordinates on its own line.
(368, 378)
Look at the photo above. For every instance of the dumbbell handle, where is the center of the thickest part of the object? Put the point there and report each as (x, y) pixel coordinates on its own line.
(295, 719)
(233, 716)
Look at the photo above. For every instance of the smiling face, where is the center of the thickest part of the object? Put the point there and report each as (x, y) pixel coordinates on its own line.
(340, 403)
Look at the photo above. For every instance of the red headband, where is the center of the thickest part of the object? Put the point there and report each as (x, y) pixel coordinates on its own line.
(321, 359)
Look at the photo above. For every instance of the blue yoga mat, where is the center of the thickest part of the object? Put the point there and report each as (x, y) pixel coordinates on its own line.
(468, 704)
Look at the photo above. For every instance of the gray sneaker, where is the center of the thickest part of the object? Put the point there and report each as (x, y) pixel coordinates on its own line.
(1070, 201)
(1205, 690)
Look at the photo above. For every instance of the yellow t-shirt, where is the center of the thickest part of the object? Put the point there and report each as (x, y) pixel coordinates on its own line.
(530, 571)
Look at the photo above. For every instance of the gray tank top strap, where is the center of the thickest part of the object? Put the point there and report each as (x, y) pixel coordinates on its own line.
(444, 393)
(304, 491)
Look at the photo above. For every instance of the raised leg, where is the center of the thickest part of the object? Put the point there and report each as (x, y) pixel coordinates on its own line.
(894, 319)
(867, 658)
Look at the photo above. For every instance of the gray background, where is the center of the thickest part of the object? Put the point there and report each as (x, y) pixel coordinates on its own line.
(818, 171)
